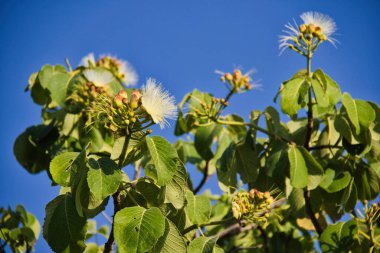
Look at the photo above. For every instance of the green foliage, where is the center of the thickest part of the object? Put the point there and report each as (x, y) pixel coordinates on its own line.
(280, 180)
(18, 228)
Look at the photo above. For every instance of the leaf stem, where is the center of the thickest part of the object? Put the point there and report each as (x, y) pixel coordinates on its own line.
(195, 226)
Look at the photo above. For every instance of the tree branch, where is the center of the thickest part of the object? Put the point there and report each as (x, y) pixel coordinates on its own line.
(116, 198)
(307, 145)
(204, 179)
(195, 226)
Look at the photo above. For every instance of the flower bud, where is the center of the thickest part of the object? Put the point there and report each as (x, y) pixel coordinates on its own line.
(302, 28)
(123, 94)
(237, 74)
(228, 76)
(125, 101)
(312, 28)
(149, 131)
(118, 101)
(135, 99)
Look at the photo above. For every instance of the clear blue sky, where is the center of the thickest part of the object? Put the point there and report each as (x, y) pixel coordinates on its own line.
(180, 43)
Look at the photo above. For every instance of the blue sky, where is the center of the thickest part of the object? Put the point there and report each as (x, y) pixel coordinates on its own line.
(181, 44)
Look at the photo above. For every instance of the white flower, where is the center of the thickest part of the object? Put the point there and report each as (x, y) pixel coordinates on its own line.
(90, 58)
(158, 103)
(288, 39)
(324, 22)
(98, 77)
(129, 75)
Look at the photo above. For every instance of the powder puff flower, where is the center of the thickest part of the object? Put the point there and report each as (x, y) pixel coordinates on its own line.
(88, 60)
(128, 73)
(316, 27)
(158, 103)
(98, 77)
(326, 24)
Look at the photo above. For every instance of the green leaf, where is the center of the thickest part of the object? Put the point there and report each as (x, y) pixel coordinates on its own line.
(198, 208)
(339, 237)
(297, 202)
(329, 86)
(64, 167)
(314, 169)
(320, 94)
(31, 148)
(164, 158)
(204, 138)
(246, 161)
(175, 191)
(298, 169)
(292, 95)
(226, 171)
(334, 182)
(138, 229)
(64, 229)
(103, 176)
(359, 112)
(171, 241)
(367, 182)
(55, 79)
(204, 245)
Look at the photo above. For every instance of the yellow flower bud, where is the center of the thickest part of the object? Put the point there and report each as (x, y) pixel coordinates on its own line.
(302, 28)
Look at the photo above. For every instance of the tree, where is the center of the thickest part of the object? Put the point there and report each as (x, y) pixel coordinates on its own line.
(284, 185)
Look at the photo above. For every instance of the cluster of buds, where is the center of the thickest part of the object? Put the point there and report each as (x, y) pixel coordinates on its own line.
(371, 212)
(86, 96)
(113, 64)
(253, 206)
(212, 109)
(311, 31)
(238, 81)
(121, 113)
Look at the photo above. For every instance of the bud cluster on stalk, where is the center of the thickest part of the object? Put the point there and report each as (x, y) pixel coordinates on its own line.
(122, 113)
(371, 212)
(253, 206)
(310, 35)
(237, 81)
(212, 109)
(113, 64)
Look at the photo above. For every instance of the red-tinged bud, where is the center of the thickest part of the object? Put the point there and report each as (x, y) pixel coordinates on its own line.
(303, 28)
(118, 101)
(237, 74)
(113, 127)
(312, 28)
(248, 86)
(135, 99)
(125, 101)
(123, 94)
(228, 76)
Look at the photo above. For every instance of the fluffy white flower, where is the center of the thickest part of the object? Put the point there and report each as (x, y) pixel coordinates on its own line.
(129, 74)
(158, 103)
(327, 24)
(290, 33)
(90, 58)
(324, 23)
(99, 78)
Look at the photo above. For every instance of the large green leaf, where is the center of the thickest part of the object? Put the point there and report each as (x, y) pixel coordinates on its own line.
(64, 229)
(64, 167)
(175, 191)
(204, 245)
(339, 237)
(171, 241)
(292, 95)
(330, 87)
(367, 182)
(314, 169)
(103, 176)
(137, 229)
(164, 157)
(298, 169)
(55, 79)
(335, 181)
(198, 208)
(359, 112)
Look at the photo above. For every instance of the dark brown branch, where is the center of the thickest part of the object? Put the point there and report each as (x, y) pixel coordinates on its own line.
(204, 179)
(324, 147)
(116, 202)
(265, 238)
(116, 199)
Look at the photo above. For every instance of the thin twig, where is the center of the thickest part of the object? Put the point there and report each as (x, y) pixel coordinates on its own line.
(204, 179)
(195, 226)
